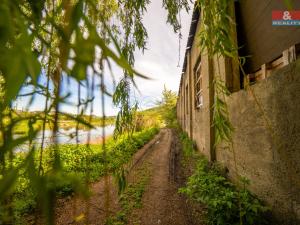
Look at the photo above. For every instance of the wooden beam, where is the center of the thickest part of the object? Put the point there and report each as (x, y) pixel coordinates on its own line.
(289, 55)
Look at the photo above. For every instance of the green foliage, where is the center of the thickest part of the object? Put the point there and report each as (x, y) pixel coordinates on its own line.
(215, 34)
(168, 107)
(80, 163)
(125, 117)
(131, 198)
(135, 36)
(216, 40)
(226, 205)
(187, 145)
(221, 122)
(1, 87)
(174, 8)
(120, 179)
(148, 118)
(75, 40)
(190, 154)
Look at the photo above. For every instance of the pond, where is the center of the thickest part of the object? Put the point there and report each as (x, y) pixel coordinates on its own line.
(68, 136)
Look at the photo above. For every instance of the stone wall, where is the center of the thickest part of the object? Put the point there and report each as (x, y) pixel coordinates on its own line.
(196, 121)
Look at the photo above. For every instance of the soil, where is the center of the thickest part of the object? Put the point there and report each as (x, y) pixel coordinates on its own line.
(161, 202)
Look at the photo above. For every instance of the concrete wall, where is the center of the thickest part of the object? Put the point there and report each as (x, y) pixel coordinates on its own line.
(267, 141)
(266, 119)
(196, 121)
(266, 138)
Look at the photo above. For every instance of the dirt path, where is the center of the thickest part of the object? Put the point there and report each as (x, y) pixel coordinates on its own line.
(161, 203)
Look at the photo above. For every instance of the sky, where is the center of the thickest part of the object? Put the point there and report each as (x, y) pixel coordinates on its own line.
(161, 61)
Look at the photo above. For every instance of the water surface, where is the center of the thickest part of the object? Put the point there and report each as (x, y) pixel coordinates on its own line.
(68, 136)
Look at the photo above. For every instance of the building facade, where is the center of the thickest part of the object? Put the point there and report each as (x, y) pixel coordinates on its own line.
(265, 114)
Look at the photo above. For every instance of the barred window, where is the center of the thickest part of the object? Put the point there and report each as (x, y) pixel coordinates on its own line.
(198, 87)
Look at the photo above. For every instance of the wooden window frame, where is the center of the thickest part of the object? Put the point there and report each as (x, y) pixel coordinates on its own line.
(198, 90)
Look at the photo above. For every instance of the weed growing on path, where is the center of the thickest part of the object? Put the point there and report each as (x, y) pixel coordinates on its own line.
(131, 198)
(189, 152)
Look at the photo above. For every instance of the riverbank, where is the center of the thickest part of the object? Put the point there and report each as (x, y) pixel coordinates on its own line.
(65, 121)
(79, 165)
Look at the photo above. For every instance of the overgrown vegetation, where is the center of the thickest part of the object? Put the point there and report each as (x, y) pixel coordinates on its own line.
(221, 122)
(82, 163)
(47, 48)
(148, 118)
(168, 107)
(162, 115)
(188, 145)
(131, 198)
(222, 198)
(226, 204)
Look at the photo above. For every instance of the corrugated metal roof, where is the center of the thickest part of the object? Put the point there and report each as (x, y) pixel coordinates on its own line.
(190, 41)
(193, 27)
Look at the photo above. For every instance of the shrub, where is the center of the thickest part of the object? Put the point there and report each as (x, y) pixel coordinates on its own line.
(226, 205)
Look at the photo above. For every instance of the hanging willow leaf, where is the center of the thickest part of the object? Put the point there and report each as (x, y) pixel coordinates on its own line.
(7, 182)
(120, 179)
(108, 53)
(58, 40)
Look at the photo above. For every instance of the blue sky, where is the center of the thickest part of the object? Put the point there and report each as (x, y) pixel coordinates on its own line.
(159, 62)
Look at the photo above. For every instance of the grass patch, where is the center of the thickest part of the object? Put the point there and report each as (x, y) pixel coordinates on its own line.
(131, 198)
(189, 152)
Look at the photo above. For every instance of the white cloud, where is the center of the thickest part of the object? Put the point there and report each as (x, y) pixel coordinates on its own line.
(160, 61)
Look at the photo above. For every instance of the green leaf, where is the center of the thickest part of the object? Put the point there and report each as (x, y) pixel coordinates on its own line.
(7, 182)
(79, 71)
(36, 8)
(5, 24)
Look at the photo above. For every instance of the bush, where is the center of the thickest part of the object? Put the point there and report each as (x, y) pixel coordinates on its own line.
(226, 205)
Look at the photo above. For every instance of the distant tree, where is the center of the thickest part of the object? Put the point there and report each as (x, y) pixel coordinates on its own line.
(168, 107)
